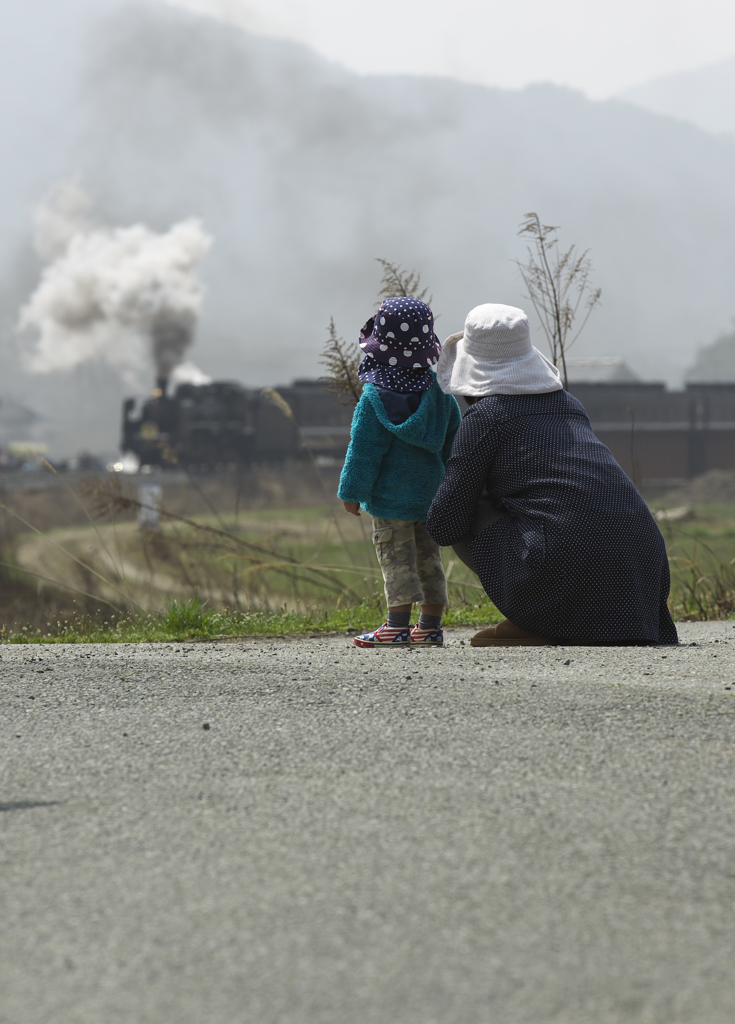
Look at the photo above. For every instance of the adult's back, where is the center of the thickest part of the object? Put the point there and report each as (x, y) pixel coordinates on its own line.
(575, 554)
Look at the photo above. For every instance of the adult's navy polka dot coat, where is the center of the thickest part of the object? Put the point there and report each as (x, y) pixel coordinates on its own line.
(578, 557)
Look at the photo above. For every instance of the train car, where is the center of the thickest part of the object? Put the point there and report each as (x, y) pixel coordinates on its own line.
(224, 423)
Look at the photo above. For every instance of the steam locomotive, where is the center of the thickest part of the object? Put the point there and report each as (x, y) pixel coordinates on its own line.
(223, 424)
(659, 436)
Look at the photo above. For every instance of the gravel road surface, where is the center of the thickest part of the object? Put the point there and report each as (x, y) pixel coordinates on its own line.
(306, 833)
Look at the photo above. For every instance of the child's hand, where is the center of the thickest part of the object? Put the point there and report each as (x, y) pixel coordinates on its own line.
(352, 507)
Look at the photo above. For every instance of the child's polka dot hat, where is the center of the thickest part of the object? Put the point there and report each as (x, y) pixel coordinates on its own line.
(400, 346)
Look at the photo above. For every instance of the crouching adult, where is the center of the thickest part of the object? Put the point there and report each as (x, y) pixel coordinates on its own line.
(559, 537)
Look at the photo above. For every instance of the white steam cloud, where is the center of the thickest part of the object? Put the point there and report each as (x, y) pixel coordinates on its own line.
(189, 373)
(123, 296)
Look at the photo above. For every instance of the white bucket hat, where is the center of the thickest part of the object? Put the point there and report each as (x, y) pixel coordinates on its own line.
(494, 356)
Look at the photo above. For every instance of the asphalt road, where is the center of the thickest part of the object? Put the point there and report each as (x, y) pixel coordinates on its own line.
(306, 833)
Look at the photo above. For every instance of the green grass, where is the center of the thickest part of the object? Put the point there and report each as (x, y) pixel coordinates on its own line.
(292, 557)
(191, 620)
(702, 560)
(289, 601)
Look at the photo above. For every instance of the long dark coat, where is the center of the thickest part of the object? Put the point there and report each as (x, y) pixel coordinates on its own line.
(578, 557)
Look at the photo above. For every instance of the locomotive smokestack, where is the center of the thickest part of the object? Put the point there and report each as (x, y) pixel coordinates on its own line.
(172, 332)
(161, 385)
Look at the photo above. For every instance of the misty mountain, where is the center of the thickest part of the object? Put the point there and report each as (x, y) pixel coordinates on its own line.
(705, 96)
(305, 172)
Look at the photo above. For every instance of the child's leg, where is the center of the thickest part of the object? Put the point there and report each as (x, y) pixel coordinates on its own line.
(396, 549)
(431, 576)
(395, 546)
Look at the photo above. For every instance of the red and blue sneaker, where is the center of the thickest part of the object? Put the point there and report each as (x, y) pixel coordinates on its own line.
(384, 636)
(426, 637)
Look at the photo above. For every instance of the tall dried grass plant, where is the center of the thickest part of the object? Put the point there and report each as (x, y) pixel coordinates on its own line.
(559, 288)
(271, 395)
(342, 358)
(341, 361)
(396, 282)
(703, 586)
(108, 497)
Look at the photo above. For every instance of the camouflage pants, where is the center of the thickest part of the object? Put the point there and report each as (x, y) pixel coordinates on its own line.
(411, 563)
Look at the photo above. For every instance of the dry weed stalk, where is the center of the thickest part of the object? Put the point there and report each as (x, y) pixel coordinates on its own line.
(341, 361)
(69, 554)
(108, 498)
(61, 585)
(396, 282)
(707, 587)
(635, 466)
(280, 402)
(558, 286)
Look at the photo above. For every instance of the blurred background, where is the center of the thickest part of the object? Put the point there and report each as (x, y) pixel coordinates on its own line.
(310, 137)
(192, 189)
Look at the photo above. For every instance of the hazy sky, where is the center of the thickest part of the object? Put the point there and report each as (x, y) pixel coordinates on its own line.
(599, 46)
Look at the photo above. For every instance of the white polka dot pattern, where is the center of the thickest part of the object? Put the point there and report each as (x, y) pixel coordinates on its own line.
(578, 557)
(403, 366)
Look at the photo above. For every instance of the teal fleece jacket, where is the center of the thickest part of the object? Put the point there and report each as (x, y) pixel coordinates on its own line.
(393, 471)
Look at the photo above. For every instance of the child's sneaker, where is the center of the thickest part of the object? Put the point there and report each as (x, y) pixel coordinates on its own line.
(384, 636)
(427, 637)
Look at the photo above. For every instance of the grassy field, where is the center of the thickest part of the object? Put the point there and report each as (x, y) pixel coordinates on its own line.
(262, 559)
(192, 620)
(701, 549)
(296, 571)
(299, 571)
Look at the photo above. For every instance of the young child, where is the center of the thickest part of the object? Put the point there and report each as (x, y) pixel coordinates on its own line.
(401, 437)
